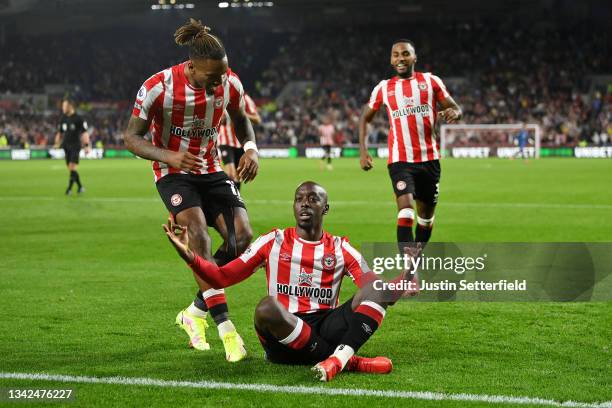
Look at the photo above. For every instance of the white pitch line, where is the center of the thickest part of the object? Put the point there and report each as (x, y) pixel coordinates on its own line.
(387, 203)
(288, 389)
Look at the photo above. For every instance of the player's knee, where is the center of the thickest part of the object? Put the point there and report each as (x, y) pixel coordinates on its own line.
(405, 217)
(267, 312)
(426, 223)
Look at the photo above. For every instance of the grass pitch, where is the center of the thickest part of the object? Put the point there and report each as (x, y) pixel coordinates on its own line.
(90, 287)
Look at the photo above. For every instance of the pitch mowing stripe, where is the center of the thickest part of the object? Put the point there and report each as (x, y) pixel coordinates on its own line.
(387, 203)
(287, 389)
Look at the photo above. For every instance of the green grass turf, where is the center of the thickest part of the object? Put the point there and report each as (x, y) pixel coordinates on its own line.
(90, 286)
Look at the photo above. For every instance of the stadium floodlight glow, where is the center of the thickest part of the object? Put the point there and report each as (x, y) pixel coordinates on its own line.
(162, 5)
(245, 3)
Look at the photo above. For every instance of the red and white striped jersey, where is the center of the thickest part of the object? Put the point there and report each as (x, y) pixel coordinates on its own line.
(326, 134)
(227, 134)
(184, 118)
(305, 276)
(412, 108)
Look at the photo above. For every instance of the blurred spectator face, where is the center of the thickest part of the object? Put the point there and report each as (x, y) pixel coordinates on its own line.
(67, 108)
(208, 73)
(403, 58)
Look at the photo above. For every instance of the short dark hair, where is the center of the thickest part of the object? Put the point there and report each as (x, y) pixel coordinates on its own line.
(404, 40)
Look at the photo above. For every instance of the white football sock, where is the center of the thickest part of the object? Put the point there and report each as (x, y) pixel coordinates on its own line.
(196, 311)
(225, 327)
(344, 353)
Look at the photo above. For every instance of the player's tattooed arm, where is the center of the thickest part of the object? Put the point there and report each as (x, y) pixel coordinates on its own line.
(451, 112)
(254, 118)
(137, 144)
(242, 125)
(249, 163)
(365, 160)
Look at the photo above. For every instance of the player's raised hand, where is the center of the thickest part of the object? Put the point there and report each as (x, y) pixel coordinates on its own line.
(179, 238)
(248, 166)
(365, 161)
(449, 115)
(184, 161)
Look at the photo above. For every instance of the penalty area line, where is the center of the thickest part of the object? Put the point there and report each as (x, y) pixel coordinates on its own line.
(289, 389)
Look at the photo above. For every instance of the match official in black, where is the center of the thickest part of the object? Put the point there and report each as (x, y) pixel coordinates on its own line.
(71, 136)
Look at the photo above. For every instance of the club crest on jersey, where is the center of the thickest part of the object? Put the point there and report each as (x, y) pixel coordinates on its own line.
(176, 200)
(142, 92)
(401, 185)
(218, 102)
(305, 278)
(422, 86)
(329, 261)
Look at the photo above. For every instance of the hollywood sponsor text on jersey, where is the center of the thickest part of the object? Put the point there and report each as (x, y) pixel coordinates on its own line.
(197, 131)
(411, 110)
(321, 295)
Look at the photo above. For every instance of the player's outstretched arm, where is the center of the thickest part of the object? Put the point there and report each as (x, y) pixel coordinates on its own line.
(365, 160)
(137, 144)
(218, 277)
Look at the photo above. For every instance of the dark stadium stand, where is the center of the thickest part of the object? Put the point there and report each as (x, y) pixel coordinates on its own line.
(500, 73)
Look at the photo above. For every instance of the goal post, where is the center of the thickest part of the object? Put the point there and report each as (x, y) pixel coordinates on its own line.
(482, 140)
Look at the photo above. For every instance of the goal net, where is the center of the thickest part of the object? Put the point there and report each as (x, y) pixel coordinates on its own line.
(501, 140)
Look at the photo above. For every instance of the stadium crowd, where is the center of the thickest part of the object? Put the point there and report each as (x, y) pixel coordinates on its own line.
(538, 73)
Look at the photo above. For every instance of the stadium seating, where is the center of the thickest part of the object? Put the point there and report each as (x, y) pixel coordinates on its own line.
(536, 73)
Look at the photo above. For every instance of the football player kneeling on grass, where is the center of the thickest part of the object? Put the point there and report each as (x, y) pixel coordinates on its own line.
(300, 322)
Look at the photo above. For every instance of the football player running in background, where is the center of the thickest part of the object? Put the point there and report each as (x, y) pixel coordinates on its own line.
(327, 130)
(300, 322)
(183, 106)
(412, 99)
